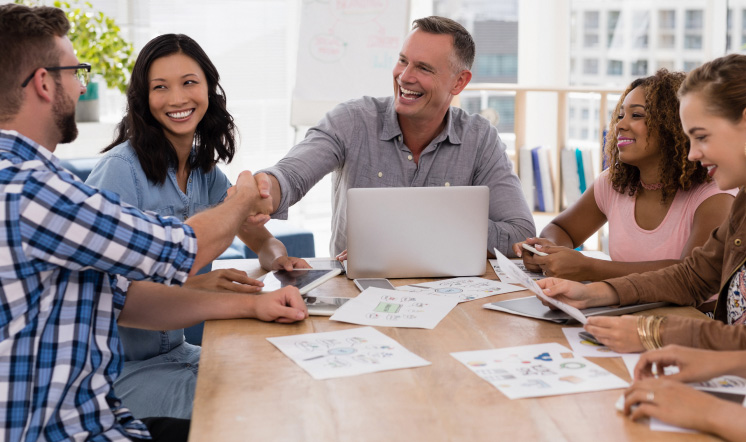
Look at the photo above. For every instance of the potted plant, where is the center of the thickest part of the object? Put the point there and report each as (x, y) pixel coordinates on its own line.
(96, 40)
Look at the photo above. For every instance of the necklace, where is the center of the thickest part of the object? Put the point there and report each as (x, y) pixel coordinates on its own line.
(656, 186)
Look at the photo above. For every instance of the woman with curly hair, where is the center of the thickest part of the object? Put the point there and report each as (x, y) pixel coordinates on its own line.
(163, 159)
(713, 115)
(659, 205)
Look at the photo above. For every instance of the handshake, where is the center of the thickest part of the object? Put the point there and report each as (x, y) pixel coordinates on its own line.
(255, 192)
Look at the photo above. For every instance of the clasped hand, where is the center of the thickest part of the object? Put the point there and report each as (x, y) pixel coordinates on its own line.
(560, 262)
(259, 205)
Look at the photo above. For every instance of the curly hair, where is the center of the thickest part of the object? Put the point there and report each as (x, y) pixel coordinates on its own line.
(215, 135)
(663, 123)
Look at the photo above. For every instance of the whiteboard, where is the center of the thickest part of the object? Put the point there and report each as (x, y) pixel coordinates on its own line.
(346, 49)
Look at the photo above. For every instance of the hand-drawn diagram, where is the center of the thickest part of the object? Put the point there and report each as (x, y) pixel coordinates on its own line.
(538, 370)
(465, 289)
(346, 352)
(382, 307)
(519, 263)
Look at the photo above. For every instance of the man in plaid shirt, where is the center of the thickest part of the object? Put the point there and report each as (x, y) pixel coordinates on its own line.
(69, 251)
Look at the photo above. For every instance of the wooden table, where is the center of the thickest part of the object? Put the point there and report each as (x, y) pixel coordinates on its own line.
(249, 390)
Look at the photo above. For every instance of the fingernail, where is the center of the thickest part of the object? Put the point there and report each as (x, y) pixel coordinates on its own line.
(300, 315)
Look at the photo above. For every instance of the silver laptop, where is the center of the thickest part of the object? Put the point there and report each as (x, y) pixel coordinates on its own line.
(417, 232)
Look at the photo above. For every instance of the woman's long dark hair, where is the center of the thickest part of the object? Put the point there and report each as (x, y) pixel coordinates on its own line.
(215, 135)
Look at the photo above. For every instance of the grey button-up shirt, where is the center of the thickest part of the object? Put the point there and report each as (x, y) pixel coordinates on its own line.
(361, 142)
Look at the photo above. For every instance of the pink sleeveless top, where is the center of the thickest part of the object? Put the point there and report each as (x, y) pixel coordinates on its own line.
(629, 242)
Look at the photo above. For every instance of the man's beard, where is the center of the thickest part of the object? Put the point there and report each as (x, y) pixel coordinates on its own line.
(63, 110)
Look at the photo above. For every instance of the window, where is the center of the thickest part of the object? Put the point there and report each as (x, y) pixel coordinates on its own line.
(640, 24)
(691, 65)
(614, 30)
(694, 18)
(666, 41)
(639, 68)
(590, 66)
(667, 19)
(590, 40)
(666, 64)
(505, 107)
(497, 65)
(590, 20)
(614, 67)
(692, 42)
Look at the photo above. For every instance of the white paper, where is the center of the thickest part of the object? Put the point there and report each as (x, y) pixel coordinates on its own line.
(346, 352)
(465, 289)
(630, 361)
(518, 263)
(538, 370)
(526, 281)
(394, 308)
(585, 348)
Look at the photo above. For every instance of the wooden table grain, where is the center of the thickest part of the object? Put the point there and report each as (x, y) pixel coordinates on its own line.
(249, 390)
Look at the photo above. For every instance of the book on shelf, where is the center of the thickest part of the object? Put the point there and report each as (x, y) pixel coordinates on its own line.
(526, 174)
(543, 178)
(578, 167)
(538, 189)
(570, 178)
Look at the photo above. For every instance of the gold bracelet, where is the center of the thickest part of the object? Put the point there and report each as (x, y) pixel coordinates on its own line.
(643, 331)
(648, 328)
(658, 340)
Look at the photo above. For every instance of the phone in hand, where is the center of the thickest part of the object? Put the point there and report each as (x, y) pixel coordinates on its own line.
(533, 250)
(381, 283)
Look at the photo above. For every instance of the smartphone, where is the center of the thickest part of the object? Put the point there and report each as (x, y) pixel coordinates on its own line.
(381, 283)
(533, 250)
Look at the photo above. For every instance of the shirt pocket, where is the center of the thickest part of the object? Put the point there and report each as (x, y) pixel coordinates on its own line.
(165, 211)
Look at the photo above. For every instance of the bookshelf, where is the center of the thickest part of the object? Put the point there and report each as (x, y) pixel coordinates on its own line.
(555, 131)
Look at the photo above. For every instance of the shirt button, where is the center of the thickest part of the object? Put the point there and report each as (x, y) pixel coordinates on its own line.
(399, 138)
(190, 180)
(409, 157)
(737, 242)
(380, 174)
(448, 184)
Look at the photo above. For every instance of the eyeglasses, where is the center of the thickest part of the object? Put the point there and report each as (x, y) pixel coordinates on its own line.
(82, 73)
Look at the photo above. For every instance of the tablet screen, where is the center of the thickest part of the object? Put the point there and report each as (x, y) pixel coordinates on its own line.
(303, 279)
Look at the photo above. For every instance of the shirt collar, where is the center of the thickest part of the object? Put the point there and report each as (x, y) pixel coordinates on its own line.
(25, 148)
(391, 127)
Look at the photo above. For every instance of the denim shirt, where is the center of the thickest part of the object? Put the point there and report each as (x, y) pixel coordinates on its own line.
(119, 171)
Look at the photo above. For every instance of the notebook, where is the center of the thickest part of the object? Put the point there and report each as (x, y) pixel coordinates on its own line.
(417, 232)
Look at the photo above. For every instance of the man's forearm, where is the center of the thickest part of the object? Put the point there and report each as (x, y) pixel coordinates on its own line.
(153, 306)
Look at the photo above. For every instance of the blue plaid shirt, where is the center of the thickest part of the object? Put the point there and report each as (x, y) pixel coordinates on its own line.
(63, 247)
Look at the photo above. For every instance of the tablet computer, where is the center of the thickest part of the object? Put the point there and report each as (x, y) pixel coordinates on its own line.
(304, 279)
(532, 307)
(323, 306)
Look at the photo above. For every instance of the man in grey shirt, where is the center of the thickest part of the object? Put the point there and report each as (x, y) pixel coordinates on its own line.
(413, 139)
